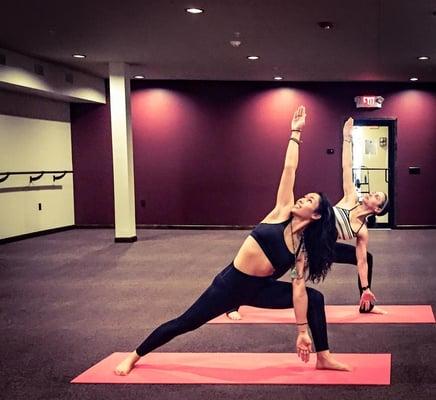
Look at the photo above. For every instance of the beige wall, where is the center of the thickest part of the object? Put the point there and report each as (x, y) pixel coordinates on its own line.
(32, 144)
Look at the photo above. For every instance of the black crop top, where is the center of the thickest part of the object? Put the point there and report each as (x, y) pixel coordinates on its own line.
(270, 238)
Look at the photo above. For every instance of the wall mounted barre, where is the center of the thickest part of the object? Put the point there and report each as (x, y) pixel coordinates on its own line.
(56, 178)
(35, 178)
(386, 170)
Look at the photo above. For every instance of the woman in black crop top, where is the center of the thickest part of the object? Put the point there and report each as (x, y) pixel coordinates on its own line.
(304, 233)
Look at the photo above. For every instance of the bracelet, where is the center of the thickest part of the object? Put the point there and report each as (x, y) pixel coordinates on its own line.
(348, 140)
(365, 287)
(295, 130)
(296, 140)
(303, 323)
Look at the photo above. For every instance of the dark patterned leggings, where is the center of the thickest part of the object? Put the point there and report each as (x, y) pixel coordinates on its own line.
(346, 254)
(232, 288)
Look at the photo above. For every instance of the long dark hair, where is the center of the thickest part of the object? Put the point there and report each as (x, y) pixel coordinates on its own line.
(319, 240)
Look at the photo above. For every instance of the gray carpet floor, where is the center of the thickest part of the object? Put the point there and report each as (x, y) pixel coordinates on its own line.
(70, 299)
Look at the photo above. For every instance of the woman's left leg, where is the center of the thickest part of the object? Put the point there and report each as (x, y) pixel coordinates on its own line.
(278, 295)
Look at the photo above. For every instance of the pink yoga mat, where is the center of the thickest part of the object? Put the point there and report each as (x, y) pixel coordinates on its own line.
(240, 368)
(335, 315)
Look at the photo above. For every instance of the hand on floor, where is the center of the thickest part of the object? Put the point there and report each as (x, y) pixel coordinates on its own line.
(367, 299)
(304, 346)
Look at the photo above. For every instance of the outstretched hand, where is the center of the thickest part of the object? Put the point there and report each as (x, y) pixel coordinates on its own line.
(348, 128)
(367, 299)
(299, 119)
(304, 346)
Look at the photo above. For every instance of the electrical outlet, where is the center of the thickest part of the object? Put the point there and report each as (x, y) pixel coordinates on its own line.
(39, 206)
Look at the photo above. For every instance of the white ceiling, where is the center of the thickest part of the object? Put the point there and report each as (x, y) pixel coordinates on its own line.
(375, 40)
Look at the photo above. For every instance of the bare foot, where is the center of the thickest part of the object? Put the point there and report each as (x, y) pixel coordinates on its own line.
(125, 366)
(378, 310)
(234, 315)
(326, 361)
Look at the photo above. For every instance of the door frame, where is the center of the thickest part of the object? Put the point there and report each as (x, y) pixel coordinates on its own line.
(391, 123)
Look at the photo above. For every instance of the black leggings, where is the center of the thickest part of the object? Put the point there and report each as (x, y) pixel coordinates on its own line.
(232, 288)
(345, 254)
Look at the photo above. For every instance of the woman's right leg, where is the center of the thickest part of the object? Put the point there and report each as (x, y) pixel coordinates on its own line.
(225, 292)
(212, 303)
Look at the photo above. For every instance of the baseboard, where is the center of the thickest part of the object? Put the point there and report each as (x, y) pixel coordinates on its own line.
(228, 227)
(126, 239)
(94, 226)
(199, 227)
(415, 227)
(36, 234)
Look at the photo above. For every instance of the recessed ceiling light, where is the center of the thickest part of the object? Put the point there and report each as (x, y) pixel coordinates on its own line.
(253, 57)
(422, 58)
(325, 25)
(79, 56)
(278, 78)
(413, 79)
(139, 77)
(194, 10)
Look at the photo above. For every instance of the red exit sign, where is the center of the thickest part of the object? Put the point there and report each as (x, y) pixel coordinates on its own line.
(368, 101)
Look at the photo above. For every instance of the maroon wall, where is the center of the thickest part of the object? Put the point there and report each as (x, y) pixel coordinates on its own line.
(212, 152)
(92, 164)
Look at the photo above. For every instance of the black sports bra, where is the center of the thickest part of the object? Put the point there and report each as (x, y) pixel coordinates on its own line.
(270, 238)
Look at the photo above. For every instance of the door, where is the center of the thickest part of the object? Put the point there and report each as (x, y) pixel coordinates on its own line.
(374, 161)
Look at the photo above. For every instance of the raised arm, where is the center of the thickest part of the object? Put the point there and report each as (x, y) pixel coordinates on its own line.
(285, 193)
(347, 164)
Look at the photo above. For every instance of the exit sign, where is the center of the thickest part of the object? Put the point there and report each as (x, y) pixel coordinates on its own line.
(368, 101)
